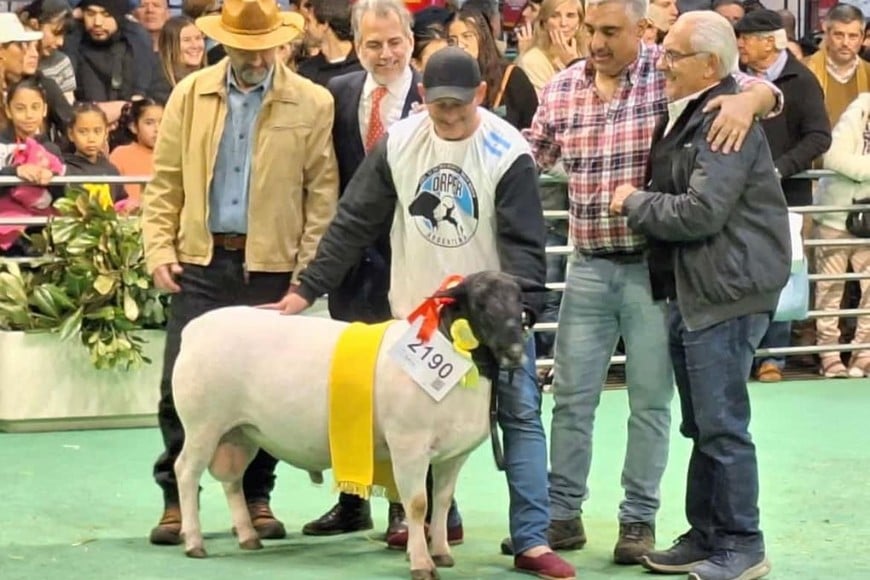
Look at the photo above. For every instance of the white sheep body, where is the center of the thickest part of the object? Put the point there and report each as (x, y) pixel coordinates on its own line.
(249, 378)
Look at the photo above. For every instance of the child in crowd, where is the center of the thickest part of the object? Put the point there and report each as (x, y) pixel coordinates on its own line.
(89, 135)
(133, 144)
(53, 18)
(26, 153)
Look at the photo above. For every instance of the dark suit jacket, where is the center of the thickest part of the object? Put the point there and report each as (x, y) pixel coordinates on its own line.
(363, 294)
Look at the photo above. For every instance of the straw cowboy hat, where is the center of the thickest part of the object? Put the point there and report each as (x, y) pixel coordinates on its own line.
(252, 25)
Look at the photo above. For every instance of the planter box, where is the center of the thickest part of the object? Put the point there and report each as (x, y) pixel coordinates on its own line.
(49, 385)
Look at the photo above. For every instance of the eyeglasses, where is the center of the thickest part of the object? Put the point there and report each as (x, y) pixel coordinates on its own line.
(669, 57)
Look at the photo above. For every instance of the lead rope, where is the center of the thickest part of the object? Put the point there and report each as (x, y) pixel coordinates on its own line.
(497, 451)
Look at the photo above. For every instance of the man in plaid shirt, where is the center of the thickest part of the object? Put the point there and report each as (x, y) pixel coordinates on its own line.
(598, 117)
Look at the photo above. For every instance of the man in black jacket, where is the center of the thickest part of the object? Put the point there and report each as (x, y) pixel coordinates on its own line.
(112, 56)
(328, 27)
(796, 137)
(457, 192)
(720, 251)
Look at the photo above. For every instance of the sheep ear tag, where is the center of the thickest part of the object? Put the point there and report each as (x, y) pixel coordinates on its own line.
(434, 364)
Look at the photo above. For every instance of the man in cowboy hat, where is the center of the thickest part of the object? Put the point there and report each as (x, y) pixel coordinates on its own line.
(245, 183)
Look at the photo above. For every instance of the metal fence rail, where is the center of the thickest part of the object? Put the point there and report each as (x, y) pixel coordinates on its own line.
(549, 327)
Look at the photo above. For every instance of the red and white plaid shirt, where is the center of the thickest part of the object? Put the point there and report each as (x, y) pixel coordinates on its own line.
(602, 144)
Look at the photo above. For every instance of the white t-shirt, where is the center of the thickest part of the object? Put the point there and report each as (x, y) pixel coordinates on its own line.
(445, 214)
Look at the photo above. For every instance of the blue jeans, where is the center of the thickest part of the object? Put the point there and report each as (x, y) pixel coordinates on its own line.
(604, 299)
(525, 454)
(778, 335)
(711, 366)
(556, 264)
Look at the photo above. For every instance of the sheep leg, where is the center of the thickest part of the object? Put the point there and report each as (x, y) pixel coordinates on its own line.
(193, 460)
(409, 471)
(444, 477)
(230, 461)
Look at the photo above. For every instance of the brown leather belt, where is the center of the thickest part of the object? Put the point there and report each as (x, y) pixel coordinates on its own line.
(229, 242)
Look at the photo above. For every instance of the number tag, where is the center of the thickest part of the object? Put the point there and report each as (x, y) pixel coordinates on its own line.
(433, 365)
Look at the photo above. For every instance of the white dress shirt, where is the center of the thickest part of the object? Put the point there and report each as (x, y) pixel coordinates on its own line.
(391, 105)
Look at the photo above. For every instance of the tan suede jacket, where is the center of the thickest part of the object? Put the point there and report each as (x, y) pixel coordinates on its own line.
(294, 176)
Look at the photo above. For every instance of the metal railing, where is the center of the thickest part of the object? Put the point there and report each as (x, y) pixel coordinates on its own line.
(550, 327)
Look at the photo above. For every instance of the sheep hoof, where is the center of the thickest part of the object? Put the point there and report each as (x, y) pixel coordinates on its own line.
(424, 575)
(252, 544)
(196, 553)
(443, 560)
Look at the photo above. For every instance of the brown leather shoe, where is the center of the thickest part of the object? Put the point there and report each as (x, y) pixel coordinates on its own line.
(167, 532)
(636, 539)
(268, 527)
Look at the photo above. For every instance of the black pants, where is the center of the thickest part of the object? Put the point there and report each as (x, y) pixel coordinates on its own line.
(204, 288)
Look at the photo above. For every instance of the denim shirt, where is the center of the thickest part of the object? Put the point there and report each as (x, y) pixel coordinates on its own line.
(228, 197)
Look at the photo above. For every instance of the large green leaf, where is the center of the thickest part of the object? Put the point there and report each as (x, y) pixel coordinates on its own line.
(131, 309)
(104, 284)
(72, 325)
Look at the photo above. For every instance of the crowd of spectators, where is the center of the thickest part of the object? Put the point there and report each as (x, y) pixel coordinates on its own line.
(86, 84)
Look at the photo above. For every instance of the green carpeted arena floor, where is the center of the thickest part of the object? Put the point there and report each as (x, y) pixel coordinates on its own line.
(78, 505)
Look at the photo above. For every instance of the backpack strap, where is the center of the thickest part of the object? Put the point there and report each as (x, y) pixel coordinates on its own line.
(504, 81)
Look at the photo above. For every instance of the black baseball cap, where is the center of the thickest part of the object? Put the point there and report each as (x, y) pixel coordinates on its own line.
(451, 73)
(759, 21)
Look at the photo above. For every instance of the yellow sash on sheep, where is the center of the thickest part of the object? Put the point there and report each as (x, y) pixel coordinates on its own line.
(351, 414)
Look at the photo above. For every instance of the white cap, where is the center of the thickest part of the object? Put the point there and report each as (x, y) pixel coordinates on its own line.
(12, 30)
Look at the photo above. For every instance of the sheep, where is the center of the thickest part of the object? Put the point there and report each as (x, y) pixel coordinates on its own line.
(249, 378)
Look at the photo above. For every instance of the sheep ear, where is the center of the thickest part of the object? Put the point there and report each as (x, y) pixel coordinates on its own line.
(457, 292)
(530, 286)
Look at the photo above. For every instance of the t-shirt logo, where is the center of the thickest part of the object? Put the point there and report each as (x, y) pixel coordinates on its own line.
(445, 208)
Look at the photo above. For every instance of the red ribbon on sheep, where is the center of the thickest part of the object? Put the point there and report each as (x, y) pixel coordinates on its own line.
(430, 309)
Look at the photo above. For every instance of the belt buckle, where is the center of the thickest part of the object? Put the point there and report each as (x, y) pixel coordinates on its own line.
(227, 242)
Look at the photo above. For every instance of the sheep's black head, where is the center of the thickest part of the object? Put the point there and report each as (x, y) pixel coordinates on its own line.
(492, 303)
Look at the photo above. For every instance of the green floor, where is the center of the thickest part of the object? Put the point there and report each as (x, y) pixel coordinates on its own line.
(78, 505)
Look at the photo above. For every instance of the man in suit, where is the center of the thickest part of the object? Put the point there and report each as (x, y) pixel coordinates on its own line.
(367, 102)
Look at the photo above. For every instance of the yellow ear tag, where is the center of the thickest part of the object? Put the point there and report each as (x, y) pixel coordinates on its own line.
(464, 342)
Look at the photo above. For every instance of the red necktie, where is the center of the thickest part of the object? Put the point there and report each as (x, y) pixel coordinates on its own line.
(376, 127)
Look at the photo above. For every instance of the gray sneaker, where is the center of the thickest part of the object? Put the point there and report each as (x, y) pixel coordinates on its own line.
(729, 565)
(688, 551)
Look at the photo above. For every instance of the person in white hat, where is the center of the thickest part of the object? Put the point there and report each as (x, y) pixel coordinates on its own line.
(19, 58)
(245, 183)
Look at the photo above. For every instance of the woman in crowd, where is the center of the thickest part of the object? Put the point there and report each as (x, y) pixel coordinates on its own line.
(19, 58)
(430, 34)
(849, 157)
(558, 41)
(525, 28)
(53, 18)
(509, 93)
(181, 50)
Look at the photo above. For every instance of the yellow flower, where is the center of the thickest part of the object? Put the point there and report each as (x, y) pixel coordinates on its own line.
(101, 192)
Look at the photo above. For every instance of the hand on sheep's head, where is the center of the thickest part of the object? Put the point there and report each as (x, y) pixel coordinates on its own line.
(292, 303)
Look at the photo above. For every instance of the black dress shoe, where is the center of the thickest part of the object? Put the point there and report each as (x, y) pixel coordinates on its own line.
(341, 519)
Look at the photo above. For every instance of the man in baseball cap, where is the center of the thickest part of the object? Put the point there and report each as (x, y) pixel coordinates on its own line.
(451, 73)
